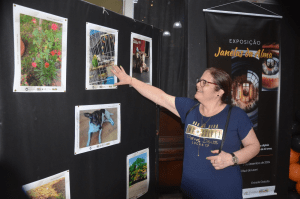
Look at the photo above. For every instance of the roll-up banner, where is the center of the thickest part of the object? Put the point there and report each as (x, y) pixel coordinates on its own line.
(248, 48)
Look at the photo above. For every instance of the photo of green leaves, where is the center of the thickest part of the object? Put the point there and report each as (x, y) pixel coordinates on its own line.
(138, 174)
(138, 170)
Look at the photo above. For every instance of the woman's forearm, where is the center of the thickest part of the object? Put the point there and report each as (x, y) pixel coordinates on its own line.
(247, 153)
(250, 150)
(154, 94)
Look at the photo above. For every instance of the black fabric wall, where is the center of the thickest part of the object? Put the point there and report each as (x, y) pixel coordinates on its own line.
(37, 129)
(196, 63)
(162, 14)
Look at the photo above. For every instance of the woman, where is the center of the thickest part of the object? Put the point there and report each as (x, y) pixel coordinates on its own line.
(143, 66)
(140, 65)
(206, 173)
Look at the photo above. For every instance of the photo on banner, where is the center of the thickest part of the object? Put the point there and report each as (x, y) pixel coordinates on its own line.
(245, 84)
(40, 50)
(141, 58)
(56, 186)
(138, 174)
(101, 55)
(270, 67)
(96, 127)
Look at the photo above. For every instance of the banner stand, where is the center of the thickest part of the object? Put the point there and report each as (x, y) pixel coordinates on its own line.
(242, 13)
(237, 43)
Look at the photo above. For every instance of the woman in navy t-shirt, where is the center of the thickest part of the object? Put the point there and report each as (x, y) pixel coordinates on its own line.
(207, 173)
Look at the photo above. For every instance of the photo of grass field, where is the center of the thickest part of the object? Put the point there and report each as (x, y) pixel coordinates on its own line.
(51, 190)
(53, 187)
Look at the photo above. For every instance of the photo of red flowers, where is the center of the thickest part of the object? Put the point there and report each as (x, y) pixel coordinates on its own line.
(41, 59)
(40, 41)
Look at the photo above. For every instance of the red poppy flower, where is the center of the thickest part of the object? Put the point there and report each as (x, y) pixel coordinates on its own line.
(46, 65)
(52, 53)
(33, 20)
(54, 26)
(59, 53)
(33, 64)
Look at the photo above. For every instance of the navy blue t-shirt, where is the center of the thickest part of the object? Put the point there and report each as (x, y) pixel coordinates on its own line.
(199, 178)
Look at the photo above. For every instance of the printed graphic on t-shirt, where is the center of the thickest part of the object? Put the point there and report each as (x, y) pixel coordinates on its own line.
(209, 133)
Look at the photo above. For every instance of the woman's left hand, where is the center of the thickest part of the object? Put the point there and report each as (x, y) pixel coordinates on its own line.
(220, 161)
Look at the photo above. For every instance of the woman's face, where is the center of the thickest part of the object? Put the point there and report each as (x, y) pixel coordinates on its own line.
(207, 92)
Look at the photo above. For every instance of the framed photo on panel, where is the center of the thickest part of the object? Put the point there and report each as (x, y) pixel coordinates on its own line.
(138, 173)
(40, 50)
(56, 186)
(101, 55)
(141, 58)
(97, 126)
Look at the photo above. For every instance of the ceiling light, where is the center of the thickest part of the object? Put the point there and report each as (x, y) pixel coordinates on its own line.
(177, 25)
(166, 34)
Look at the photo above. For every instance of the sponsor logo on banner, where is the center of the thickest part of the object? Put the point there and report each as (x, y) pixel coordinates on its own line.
(259, 191)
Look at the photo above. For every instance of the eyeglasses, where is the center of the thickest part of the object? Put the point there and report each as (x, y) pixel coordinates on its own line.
(204, 82)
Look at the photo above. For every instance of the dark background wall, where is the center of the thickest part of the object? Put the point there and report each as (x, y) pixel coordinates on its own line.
(196, 62)
(165, 12)
(37, 129)
(173, 79)
(162, 14)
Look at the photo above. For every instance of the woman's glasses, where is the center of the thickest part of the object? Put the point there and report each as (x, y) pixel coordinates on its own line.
(204, 82)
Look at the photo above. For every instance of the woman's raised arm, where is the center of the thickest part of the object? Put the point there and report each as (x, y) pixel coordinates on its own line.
(152, 93)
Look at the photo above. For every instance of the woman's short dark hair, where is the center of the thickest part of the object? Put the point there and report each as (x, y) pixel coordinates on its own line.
(223, 80)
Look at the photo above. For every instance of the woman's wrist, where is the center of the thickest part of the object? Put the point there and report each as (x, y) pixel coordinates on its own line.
(131, 81)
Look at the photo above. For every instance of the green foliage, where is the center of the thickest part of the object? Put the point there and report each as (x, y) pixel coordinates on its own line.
(61, 196)
(95, 61)
(43, 50)
(25, 18)
(137, 171)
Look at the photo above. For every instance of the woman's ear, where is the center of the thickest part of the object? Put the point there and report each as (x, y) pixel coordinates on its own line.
(221, 92)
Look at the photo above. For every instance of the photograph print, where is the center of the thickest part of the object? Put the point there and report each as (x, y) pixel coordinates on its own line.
(96, 126)
(270, 67)
(56, 186)
(40, 43)
(101, 55)
(245, 85)
(141, 58)
(137, 174)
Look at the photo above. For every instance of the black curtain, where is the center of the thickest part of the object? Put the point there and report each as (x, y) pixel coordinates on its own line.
(162, 14)
(37, 129)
